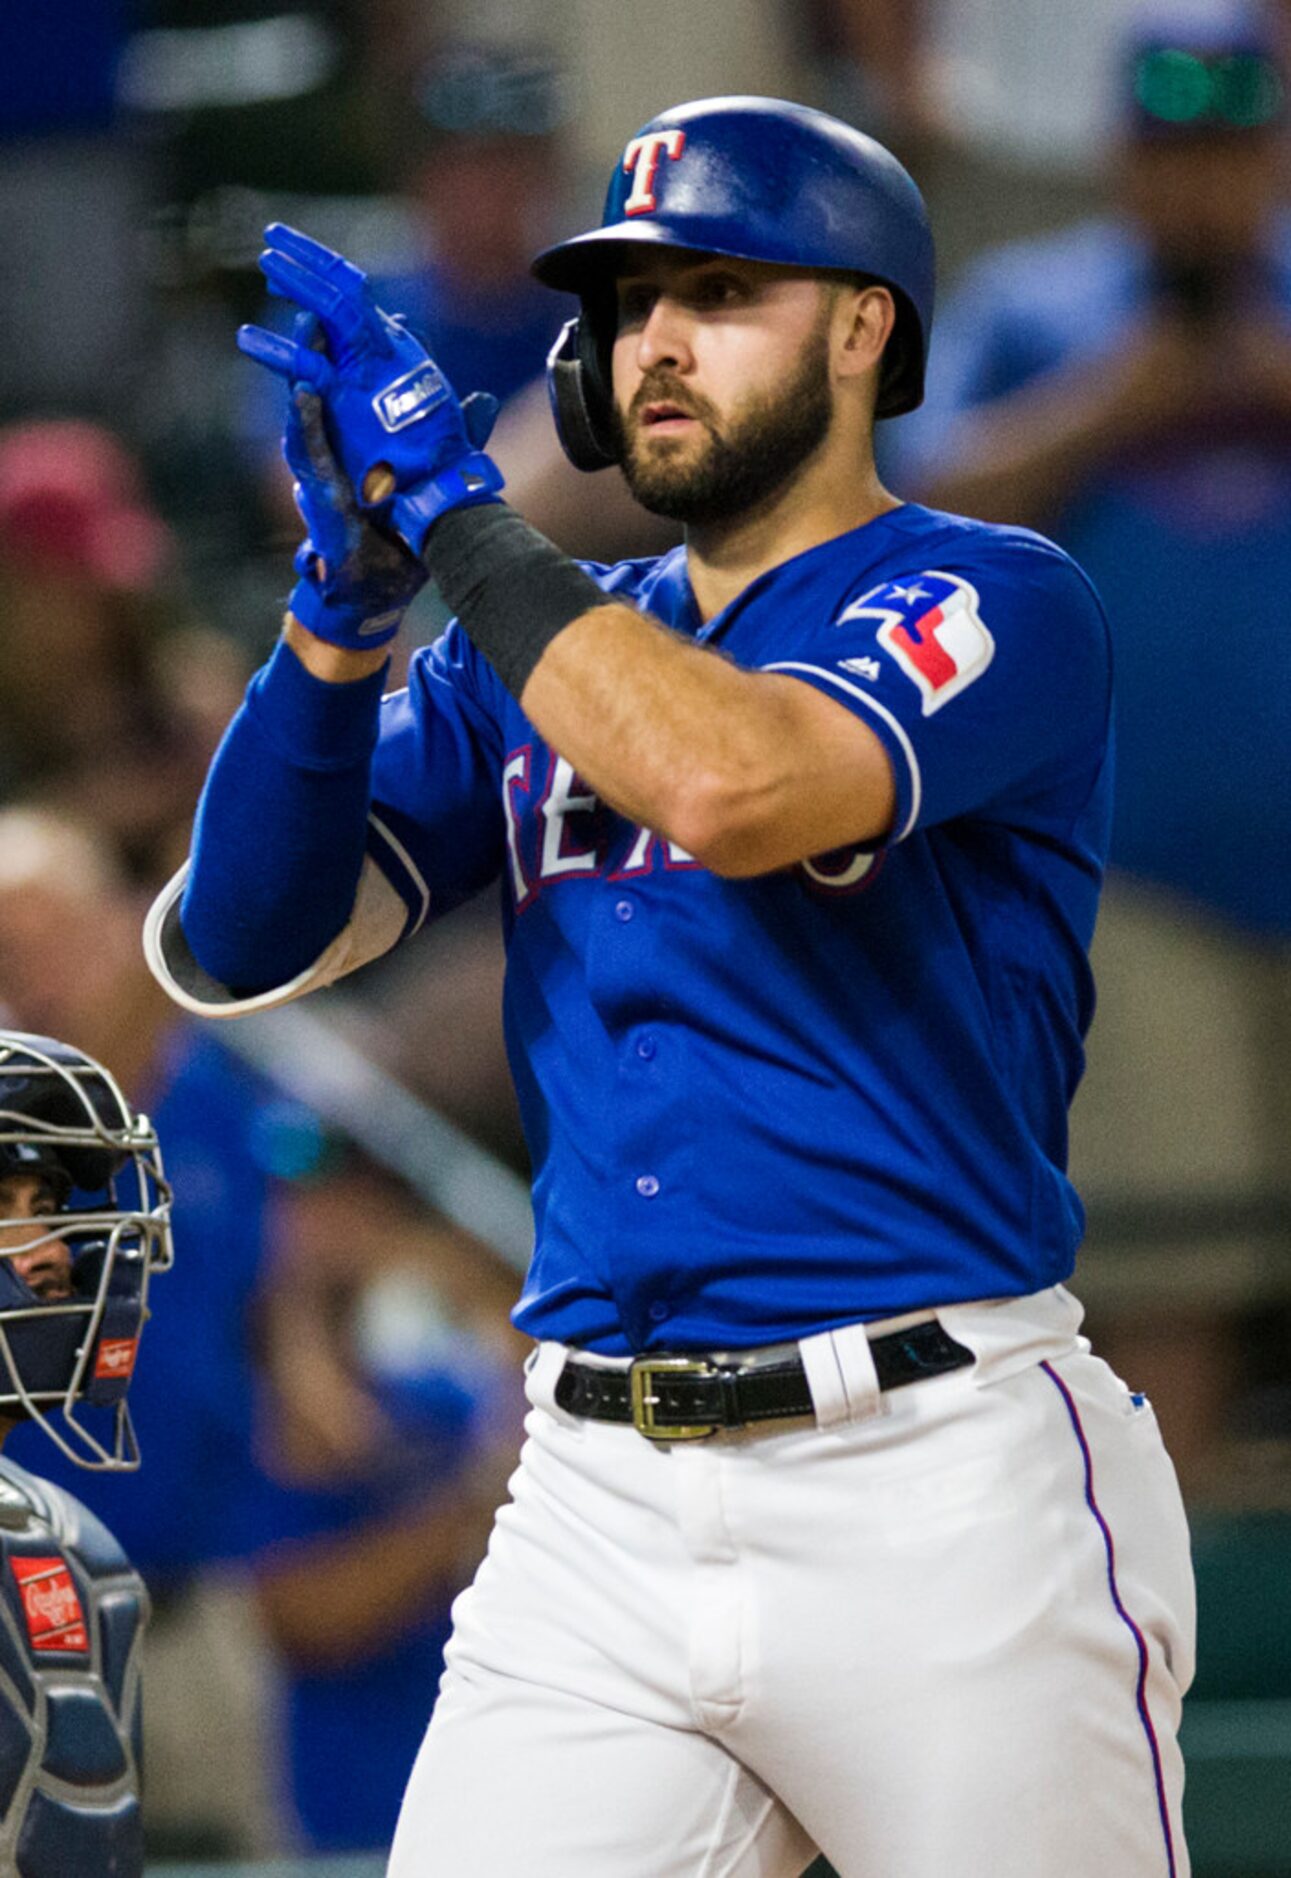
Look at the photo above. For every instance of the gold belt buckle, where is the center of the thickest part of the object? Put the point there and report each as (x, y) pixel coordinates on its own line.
(644, 1420)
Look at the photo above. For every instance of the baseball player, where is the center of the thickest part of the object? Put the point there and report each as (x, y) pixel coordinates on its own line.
(830, 1532)
(84, 1221)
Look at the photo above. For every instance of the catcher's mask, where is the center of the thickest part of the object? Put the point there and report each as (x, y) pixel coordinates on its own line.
(761, 180)
(64, 1120)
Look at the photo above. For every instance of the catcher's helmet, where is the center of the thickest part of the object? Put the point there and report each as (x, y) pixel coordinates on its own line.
(64, 1118)
(760, 180)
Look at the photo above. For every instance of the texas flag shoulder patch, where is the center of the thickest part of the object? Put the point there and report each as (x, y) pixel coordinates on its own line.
(932, 626)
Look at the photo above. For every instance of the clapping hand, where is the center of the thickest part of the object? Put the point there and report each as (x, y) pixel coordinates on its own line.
(356, 577)
(406, 444)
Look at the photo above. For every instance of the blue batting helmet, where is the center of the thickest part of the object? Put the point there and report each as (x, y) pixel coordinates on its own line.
(760, 180)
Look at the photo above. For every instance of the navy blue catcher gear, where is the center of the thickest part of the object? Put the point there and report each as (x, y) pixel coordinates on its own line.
(760, 180)
(72, 1616)
(64, 1118)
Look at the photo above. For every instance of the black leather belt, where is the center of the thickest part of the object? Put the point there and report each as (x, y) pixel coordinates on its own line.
(682, 1398)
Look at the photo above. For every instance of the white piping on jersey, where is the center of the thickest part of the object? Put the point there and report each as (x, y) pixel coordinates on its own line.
(403, 855)
(879, 710)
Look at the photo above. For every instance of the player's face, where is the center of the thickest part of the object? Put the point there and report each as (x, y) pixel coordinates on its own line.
(47, 1264)
(721, 382)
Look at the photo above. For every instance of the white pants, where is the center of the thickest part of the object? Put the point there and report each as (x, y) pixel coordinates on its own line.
(943, 1629)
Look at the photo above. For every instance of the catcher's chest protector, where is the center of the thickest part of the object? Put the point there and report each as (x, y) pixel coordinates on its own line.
(72, 1613)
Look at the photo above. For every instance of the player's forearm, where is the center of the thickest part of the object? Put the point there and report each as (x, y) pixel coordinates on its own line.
(279, 839)
(675, 736)
(681, 740)
(666, 732)
(607, 710)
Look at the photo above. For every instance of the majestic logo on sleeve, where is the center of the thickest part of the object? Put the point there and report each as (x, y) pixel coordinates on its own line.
(641, 163)
(932, 626)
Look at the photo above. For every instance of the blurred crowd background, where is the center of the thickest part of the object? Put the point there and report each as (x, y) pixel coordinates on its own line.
(328, 1402)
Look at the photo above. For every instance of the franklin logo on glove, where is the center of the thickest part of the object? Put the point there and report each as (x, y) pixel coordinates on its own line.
(413, 396)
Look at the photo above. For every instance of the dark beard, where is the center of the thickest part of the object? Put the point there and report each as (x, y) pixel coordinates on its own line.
(766, 442)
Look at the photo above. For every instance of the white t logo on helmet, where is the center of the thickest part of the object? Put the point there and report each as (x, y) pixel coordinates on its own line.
(641, 163)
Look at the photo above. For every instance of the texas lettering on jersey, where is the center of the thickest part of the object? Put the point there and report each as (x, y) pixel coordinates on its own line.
(932, 626)
(567, 832)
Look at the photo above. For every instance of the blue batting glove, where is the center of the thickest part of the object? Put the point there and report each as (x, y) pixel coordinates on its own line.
(356, 580)
(396, 426)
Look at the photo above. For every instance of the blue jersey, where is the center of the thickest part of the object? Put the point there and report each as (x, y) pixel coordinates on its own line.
(761, 1108)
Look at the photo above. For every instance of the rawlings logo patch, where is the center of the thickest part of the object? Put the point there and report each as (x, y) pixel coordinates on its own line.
(115, 1359)
(409, 398)
(933, 628)
(50, 1605)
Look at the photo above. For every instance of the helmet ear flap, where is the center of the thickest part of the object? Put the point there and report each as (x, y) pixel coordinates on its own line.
(580, 397)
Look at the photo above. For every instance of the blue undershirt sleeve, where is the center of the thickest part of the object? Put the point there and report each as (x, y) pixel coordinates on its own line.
(279, 839)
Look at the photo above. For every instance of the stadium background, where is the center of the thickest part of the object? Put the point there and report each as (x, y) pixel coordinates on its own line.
(334, 1412)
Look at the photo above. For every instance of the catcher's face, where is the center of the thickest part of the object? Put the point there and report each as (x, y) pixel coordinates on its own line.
(721, 381)
(46, 1264)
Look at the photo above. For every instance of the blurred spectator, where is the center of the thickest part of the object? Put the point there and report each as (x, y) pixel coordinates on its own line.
(250, 92)
(390, 1422)
(483, 159)
(109, 700)
(325, 1405)
(479, 153)
(71, 964)
(431, 1014)
(1002, 108)
(1125, 385)
(626, 62)
(873, 58)
(1029, 83)
(72, 191)
(475, 148)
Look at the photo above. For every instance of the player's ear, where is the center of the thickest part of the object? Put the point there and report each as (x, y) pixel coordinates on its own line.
(864, 318)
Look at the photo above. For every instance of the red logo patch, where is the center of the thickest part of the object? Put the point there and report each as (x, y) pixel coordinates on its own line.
(115, 1359)
(55, 1620)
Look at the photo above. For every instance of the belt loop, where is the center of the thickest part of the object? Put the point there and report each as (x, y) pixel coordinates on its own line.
(542, 1372)
(1009, 1335)
(841, 1376)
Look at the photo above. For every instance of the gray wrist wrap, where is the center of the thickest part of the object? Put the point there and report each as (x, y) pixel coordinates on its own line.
(510, 588)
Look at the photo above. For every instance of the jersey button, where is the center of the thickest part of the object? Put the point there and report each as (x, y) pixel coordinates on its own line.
(646, 1047)
(659, 1311)
(647, 1186)
(623, 911)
